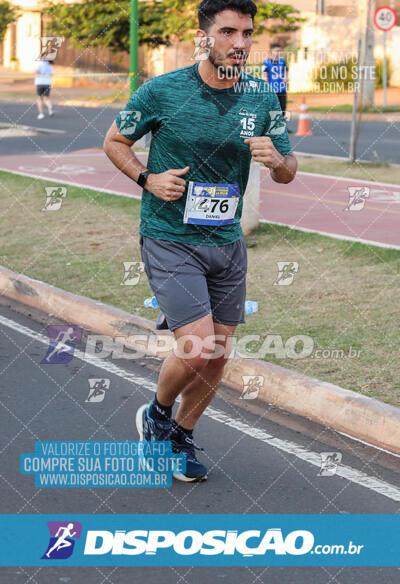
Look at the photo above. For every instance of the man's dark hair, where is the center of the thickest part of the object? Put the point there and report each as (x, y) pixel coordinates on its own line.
(275, 46)
(208, 9)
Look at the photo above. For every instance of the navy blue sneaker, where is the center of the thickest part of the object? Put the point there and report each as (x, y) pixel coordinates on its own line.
(150, 429)
(161, 324)
(183, 444)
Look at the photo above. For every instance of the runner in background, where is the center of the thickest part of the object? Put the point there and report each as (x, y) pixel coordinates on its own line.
(44, 71)
(276, 73)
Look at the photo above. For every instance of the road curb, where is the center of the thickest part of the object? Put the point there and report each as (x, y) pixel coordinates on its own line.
(359, 416)
(37, 129)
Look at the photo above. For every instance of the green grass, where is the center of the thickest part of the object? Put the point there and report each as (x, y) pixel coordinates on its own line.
(377, 172)
(117, 96)
(343, 296)
(12, 94)
(348, 108)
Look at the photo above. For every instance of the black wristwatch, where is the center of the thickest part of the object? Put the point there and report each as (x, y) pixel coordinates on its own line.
(141, 181)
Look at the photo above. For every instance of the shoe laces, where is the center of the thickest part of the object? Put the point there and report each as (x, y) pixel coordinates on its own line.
(187, 445)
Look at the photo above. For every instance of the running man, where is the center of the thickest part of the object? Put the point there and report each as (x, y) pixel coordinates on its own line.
(61, 343)
(276, 72)
(44, 71)
(62, 541)
(207, 121)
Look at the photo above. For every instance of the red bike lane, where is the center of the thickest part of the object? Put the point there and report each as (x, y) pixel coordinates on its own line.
(345, 208)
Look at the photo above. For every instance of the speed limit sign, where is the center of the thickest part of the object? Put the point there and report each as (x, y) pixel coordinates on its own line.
(385, 18)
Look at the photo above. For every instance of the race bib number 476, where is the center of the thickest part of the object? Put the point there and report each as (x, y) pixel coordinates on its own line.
(211, 204)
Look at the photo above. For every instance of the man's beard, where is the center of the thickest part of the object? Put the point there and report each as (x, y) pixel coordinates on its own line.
(231, 71)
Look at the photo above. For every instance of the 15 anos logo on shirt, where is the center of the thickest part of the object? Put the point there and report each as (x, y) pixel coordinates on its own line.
(248, 123)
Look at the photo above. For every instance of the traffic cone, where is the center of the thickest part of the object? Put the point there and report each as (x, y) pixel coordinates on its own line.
(304, 128)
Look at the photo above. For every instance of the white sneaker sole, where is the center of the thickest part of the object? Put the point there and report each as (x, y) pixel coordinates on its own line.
(139, 420)
(139, 427)
(185, 479)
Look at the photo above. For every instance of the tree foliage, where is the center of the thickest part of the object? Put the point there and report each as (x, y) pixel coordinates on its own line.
(8, 15)
(286, 18)
(106, 24)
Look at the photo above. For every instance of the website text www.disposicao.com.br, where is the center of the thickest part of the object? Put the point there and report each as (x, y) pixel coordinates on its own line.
(213, 542)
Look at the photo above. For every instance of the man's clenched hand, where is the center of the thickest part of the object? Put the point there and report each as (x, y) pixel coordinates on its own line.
(283, 168)
(263, 150)
(168, 185)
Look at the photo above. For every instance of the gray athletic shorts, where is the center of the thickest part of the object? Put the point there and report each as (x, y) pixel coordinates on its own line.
(191, 281)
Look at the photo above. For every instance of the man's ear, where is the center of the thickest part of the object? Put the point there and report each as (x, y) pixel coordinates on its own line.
(201, 33)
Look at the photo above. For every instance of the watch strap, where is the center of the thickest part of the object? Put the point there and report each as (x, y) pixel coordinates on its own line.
(141, 181)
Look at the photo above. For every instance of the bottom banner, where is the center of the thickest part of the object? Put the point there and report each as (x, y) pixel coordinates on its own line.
(200, 540)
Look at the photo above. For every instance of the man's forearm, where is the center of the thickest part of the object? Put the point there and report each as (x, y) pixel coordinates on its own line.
(124, 158)
(286, 171)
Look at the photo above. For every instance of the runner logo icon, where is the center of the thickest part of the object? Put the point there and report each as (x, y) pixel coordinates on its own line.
(129, 121)
(97, 390)
(278, 125)
(133, 270)
(62, 343)
(203, 46)
(329, 463)
(286, 273)
(252, 384)
(62, 539)
(54, 198)
(357, 198)
(49, 46)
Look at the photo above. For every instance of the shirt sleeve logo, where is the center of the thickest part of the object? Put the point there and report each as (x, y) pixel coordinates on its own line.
(277, 125)
(129, 121)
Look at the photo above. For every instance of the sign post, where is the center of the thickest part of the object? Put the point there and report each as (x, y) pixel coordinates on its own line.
(355, 119)
(385, 19)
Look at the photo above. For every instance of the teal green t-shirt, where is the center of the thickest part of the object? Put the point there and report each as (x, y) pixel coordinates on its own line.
(193, 124)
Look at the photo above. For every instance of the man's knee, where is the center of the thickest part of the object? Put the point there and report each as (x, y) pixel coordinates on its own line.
(202, 363)
(216, 364)
(197, 364)
(201, 351)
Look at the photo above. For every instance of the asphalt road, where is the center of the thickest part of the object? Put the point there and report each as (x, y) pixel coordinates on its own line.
(86, 128)
(248, 474)
(81, 128)
(377, 140)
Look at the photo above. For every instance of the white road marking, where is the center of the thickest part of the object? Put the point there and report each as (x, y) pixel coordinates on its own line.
(350, 179)
(353, 475)
(333, 235)
(16, 133)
